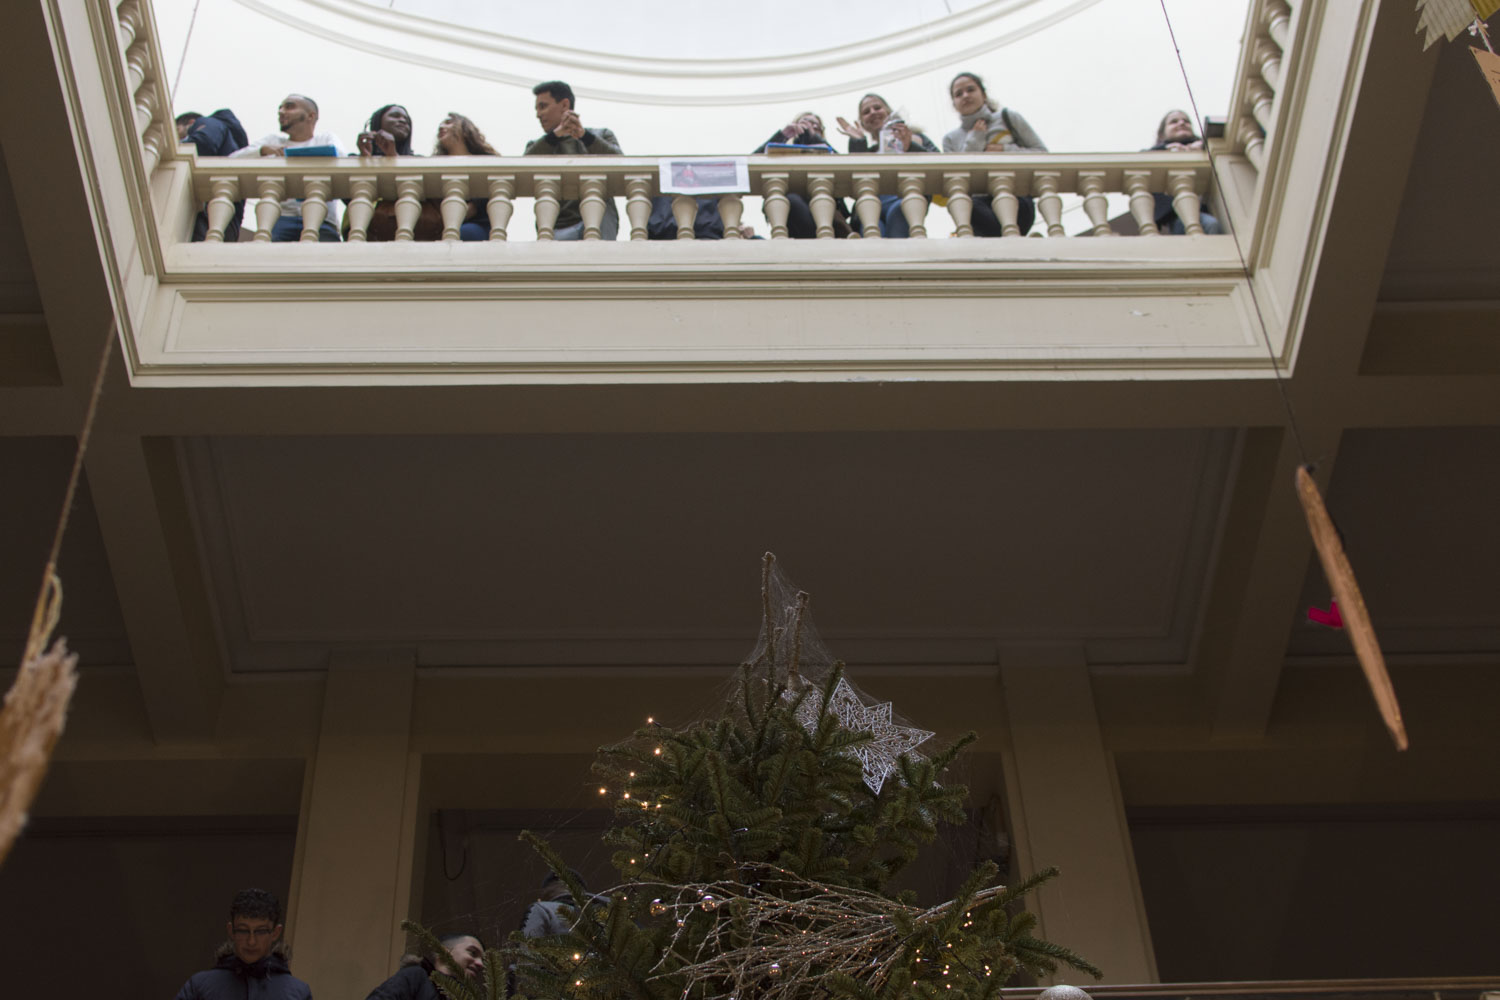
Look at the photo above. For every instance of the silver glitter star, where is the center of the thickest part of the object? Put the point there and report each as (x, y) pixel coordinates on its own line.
(878, 757)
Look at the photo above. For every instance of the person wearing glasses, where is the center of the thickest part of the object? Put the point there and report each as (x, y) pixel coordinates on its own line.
(253, 962)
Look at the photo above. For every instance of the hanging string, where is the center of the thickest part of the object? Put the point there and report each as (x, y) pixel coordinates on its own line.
(48, 610)
(183, 60)
(1265, 336)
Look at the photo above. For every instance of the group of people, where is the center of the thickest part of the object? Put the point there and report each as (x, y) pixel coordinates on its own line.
(255, 961)
(985, 126)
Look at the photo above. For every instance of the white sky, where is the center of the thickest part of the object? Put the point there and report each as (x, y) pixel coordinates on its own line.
(1098, 81)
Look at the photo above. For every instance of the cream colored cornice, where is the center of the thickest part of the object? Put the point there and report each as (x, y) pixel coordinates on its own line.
(641, 80)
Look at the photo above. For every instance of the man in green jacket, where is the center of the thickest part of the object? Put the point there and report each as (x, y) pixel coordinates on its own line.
(563, 134)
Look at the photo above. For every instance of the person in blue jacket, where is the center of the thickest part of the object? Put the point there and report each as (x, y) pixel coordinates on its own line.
(252, 964)
(218, 134)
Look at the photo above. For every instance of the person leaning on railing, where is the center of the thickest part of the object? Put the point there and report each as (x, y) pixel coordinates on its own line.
(1175, 133)
(985, 126)
(218, 134)
(388, 133)
(563, 134)
(806, 130)
(298, 120)
(459, 136)
(880, 131)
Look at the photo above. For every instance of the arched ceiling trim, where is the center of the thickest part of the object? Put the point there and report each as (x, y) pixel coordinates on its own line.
(945, 42)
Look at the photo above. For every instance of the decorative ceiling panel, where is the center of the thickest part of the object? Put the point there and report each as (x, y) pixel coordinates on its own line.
(645, 549)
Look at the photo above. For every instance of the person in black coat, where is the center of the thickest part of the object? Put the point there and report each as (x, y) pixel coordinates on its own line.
(806, 130)
(218, 134)
(1175, 133)
(413, 981)
(252, 964)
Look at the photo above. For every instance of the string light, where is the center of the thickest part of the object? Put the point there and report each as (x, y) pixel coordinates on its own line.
(604, 791)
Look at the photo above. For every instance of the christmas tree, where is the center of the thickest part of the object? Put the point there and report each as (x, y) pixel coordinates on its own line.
(757, 850)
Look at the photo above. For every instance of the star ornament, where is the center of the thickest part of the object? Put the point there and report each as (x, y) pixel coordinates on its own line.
(879, 756)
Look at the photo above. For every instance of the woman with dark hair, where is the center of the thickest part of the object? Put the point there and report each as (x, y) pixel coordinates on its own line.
(388, 133)
(459, 136)
(1175, 133)
(880, 130)
(987, 127)
(414, 979)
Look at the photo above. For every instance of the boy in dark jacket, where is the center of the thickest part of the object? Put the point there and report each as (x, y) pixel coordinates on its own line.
(218, 134)
(252, 965)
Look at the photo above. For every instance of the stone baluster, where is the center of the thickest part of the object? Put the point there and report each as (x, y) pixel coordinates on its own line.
(361, 207)
(1049, 200)
(776, 207)
(501, 205)
(272, 190)
(548, 190)
(1183, 186)
(455, 205)
(820, 201)
(137, 62)
(223, 193)
(409, 191)
(1268, 57)
(1142, 204)
(129, 16)
(1004, 201)
(315, 192)
(145, 108)
(685, 211)
(1254, 144)
(638, 204)
(1277, 17)
(591, 204)
(913, 191)
(960, 204)
(153, 144)
(867, 204)
(731, 210)
(1260, 100)
(1095, 201)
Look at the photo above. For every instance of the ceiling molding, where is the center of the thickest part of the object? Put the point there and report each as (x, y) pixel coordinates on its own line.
(636, 80)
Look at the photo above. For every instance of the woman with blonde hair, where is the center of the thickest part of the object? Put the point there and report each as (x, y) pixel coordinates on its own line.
(881, 130)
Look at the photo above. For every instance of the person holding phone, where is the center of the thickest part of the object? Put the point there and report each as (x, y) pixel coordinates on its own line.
(985, 126)
(880, 130)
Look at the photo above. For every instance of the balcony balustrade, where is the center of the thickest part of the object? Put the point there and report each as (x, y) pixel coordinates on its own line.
(1102, 305)
(220, 182)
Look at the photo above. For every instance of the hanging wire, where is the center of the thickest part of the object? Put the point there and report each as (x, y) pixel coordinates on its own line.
(1265, 336)
(183, 60)
(48, 608)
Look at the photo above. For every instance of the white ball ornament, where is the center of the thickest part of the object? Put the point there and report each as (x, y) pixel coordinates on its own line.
(1063, 993)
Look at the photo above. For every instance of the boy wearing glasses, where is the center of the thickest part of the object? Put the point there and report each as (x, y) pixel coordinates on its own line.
(253, 962)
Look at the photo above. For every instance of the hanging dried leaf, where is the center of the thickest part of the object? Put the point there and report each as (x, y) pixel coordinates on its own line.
(30, 724)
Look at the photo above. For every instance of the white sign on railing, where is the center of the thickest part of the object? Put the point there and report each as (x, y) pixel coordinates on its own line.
(696, 176)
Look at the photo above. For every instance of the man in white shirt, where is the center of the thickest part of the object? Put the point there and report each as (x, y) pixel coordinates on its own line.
(298, 119)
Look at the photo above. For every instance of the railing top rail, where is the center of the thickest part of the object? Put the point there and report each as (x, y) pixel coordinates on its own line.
(933, 168)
